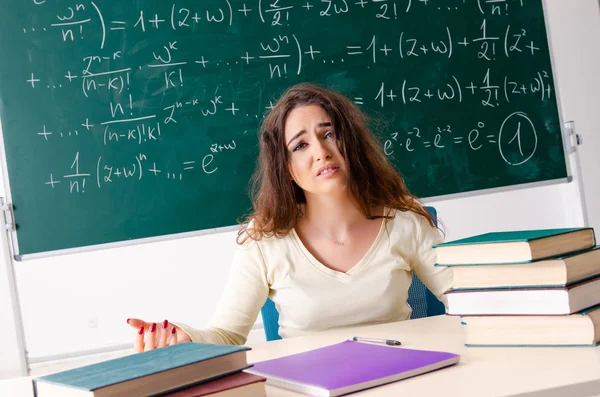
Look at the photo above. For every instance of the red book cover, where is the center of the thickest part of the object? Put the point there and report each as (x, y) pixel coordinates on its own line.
(228, 382)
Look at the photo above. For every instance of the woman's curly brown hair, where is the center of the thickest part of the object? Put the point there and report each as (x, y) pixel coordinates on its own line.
(371, 178)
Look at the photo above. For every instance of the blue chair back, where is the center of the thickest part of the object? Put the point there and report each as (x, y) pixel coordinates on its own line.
(420, 299)
(270, 317)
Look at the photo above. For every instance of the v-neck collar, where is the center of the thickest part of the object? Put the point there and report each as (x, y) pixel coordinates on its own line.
(357, 267)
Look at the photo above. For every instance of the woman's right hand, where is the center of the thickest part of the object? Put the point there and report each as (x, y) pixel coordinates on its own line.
(152, 336)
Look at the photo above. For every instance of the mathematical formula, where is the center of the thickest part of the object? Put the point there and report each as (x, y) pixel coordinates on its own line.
(176, 50)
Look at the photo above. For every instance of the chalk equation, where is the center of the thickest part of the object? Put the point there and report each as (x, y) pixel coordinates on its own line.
(449, 76)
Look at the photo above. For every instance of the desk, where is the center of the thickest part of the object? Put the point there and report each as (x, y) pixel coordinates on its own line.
(489, 372)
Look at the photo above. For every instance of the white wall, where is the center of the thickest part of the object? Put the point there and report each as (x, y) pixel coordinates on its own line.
(177, 280)
(575, 28)
(10, 354)
(182, 279)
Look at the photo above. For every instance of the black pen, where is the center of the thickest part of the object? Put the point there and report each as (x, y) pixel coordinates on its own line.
(389, 342)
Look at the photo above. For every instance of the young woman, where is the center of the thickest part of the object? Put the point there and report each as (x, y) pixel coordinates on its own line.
(334, 237)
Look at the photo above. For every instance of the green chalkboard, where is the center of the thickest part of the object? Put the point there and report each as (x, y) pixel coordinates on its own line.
(138, 119)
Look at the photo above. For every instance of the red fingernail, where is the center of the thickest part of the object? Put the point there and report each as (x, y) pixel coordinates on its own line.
(141, 331)
(128, 320)
(174, 330)
(165, 324)
(153, 327)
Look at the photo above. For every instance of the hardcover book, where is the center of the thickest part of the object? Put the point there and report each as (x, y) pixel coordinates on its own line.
(553, 272)
(578, 329)
(525, 301)
(240, 384)
(514, 246)
(146, 374)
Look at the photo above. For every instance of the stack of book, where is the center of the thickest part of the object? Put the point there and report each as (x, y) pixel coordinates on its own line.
(183, 370)
(526, 288)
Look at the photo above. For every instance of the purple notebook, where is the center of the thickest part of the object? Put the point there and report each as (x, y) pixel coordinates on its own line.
(349, 366)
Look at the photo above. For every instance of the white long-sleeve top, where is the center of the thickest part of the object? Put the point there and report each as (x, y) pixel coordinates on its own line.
(311, 297)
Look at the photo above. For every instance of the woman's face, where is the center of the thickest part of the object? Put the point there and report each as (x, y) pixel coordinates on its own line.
(315, 163)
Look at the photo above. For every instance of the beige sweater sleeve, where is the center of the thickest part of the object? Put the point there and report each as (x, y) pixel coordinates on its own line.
(245, 293)
(437, 279)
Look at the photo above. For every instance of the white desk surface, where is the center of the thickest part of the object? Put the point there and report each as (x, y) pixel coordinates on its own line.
(490, 372)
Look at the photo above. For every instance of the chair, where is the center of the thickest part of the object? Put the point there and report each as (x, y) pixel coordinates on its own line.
(420, 299)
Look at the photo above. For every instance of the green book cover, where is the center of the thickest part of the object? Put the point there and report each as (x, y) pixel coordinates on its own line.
(531, 262)
(510, 236)
(587, 311)
(122, 369)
